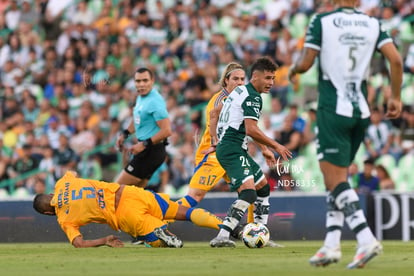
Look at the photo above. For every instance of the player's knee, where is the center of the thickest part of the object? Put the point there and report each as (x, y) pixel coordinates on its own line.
(248, 195)
(182, 212)
(194, 197)
(264, 191)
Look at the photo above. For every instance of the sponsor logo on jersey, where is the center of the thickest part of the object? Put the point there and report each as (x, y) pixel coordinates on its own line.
(351, 39)
(101, 199)
(130, 168)
(253, 104)
(341, 23)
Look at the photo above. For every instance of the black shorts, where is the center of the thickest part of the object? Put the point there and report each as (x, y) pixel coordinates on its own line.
(144, 164)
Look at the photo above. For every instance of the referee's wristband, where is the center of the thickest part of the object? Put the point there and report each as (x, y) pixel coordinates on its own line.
(126, 133)
(147, 143)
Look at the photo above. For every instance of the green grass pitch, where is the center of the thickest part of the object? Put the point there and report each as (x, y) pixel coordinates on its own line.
(195, 258)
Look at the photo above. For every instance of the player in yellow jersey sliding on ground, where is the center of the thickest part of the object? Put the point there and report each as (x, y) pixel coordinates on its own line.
(136, 211)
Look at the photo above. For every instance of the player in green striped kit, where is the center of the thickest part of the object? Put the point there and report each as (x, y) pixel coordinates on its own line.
(345, 40)
(236, 125)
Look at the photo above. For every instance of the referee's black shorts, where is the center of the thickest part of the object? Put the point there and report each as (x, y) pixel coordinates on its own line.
(146, 162)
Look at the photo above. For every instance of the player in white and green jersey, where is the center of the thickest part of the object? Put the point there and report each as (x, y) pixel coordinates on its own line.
(237, 122)
(345, 41)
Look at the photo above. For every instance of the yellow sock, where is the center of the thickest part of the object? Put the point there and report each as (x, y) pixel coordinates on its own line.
(250, 215)
(183, 201)
(201, 217)
(187, 201)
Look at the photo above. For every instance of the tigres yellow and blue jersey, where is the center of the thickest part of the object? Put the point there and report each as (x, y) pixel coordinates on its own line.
(80, 201)
(205, 140)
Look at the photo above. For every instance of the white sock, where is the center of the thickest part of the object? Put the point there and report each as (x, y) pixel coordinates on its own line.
(348, 201)
(223, 233)
(334, 224)
(333, 239)
(365, 236)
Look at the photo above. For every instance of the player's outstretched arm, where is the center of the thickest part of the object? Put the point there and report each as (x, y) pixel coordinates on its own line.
(254, 132)
(110, 241)
(267, 154)
(283, 151)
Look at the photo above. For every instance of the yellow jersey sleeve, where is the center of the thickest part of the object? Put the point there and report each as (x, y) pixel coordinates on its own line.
(205, 140)
(71, 231)
(80, 201)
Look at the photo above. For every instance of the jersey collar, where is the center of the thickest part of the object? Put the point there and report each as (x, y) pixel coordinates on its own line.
(225, 91)
(151, 91)
(250, 85)
(347, 9)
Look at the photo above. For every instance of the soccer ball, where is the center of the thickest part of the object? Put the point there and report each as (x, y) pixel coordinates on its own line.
(255, 235)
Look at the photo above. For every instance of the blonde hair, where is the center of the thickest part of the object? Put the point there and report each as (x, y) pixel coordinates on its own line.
(230, 68)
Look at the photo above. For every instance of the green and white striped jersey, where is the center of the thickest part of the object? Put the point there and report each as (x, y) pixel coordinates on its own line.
(243, 103)
(346, 40)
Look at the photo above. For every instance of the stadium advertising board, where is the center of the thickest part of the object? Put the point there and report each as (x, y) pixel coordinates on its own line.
(293, 216)
(395, 220)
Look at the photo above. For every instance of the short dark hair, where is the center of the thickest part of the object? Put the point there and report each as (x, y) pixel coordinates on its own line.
(39, 203)
(264, 64)
(143, 70)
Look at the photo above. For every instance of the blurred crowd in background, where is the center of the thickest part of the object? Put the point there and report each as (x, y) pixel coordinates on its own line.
(49, 120)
